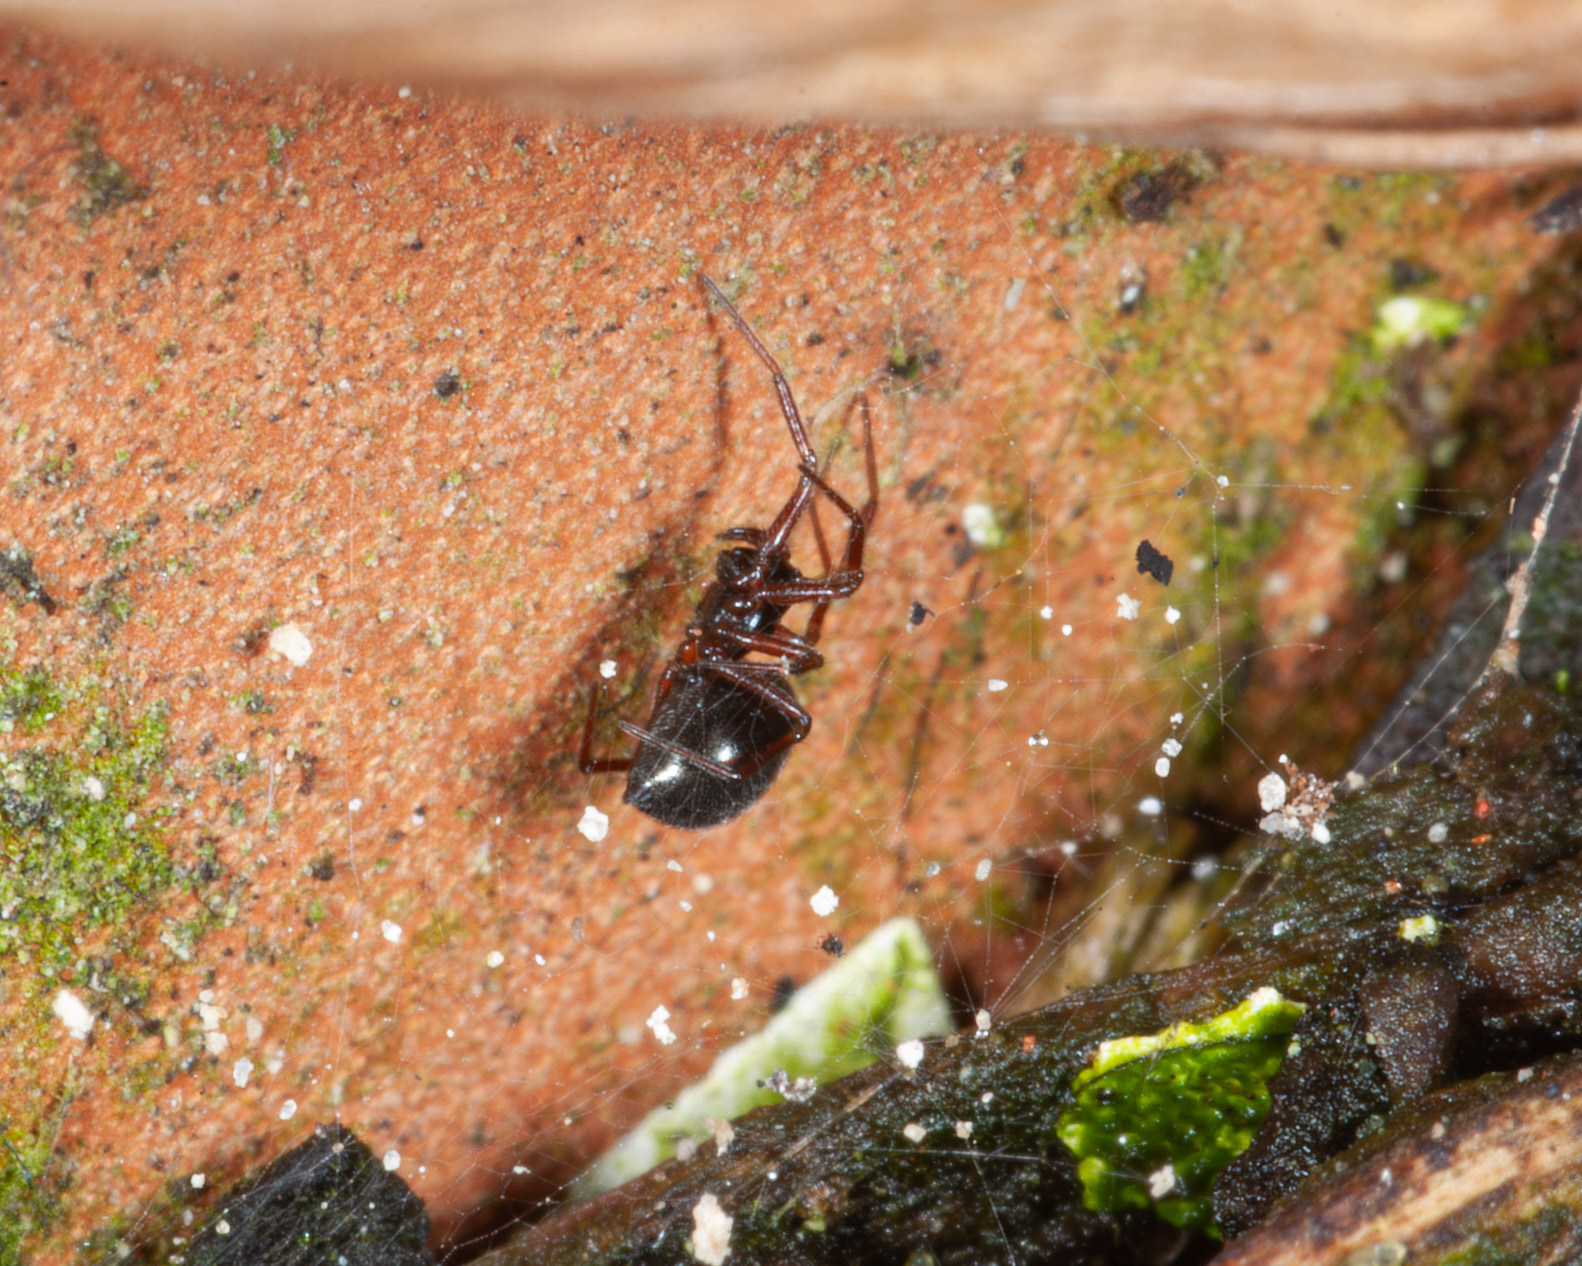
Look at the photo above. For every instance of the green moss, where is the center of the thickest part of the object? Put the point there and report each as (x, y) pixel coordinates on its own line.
(105, 183)
(1207, 267)
(29, 1202)
(79, 854)
(1155, 1118)
(28, 700)
(277, 139)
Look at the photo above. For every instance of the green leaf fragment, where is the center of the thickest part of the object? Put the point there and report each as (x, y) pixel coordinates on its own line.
(883, 992)
(1155, 1118)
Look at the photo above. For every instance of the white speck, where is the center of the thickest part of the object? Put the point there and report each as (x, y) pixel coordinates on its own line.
(1318, 624)
(1277, 584)
(1162, 767)
(390, 931)
(963, 1130)
(419, 816)
(291, 642)
(1046, 612)
(354, 805)
(1171, 615)
(711, 1230)
(824, 902)
(915, 1132)
(1131, 292)
(1438, 1132)
(1170, 747)
(222, 1227)
(1150, 806)
(403, 93)
(996, 685)
(288, 1109)
(255, 1028)
(1271, 792)
(686, 907)
(1392, 567)
(1320, 833)
(71, 1012)
(983, 869)
(1066, 629)
(1013, 293)
(1223, 481)
(1204, 869)
(539, 959)
(1127, 607)
(987, 1097)
(241, 1071)
(800, 1090)
(607, 668)
(594, 825)
(1524, 1075)
(495, 958)
(1162, 1181)
(703, 884)
(129, 821)
(931, 870)
(1438, 833)
(392, 1160)
(520, 1169)
(198, 1180)
(1279, 927)
(93, 788)
(738, 988)
(662, 1030)
(216, 1043)
(1176, 718)
(982, 1020)
(910, 1053)
(674, 865)
(978, 521)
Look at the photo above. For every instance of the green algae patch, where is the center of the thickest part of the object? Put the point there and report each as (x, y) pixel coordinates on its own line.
(77, 851)
(1155, 1118)
(1407, 320)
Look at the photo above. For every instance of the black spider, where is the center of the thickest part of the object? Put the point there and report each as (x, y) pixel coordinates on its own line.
(722, 723)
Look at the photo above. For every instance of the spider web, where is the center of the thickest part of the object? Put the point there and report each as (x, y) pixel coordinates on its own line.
(1101, 609)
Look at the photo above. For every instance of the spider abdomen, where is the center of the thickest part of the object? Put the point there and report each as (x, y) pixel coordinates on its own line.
(723, 721)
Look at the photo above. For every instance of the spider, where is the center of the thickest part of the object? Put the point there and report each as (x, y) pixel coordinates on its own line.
(723, 724)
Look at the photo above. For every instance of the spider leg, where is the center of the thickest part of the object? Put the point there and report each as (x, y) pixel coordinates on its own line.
(590, 763)
(818, 536)
(753, 678)
(747, 535)
(676, 749)
(860, 520)
(840, 584)
(780, 642)
(794, 423)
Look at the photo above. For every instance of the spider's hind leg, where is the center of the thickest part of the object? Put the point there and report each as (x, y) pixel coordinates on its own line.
(589, 763)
